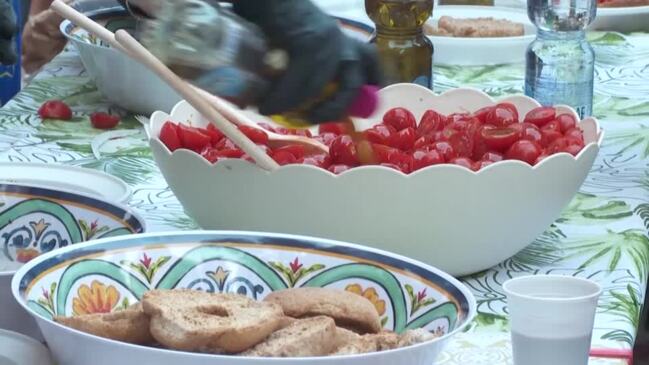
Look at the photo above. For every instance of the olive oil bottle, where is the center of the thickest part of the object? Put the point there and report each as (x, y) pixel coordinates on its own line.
(406, 54)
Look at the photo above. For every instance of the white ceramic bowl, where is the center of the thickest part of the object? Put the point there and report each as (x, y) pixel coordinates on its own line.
(115, 271)
(35, 220)
(120, 79)
(445, 215)
(455, 51)
(626, 19)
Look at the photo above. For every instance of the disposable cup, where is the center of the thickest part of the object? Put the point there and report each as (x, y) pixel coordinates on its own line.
(551, 318)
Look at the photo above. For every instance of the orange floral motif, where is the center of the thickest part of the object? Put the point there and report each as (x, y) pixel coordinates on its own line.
(98, 298)
(369, 293)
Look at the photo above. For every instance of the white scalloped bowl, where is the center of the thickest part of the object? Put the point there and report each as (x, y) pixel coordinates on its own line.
(445, 215)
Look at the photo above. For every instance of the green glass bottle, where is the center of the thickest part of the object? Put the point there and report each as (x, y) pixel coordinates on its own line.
(406, 54)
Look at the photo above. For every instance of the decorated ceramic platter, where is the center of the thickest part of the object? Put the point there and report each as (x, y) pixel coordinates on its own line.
(111, 274)
(67, 178)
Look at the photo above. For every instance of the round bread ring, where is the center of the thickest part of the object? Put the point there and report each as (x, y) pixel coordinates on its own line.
(190, 320)
(349, 310)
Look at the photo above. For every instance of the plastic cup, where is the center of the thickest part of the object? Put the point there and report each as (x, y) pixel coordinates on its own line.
(551, 318)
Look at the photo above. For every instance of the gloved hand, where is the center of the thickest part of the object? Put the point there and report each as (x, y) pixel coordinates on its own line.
(319, 54)
(8, 29)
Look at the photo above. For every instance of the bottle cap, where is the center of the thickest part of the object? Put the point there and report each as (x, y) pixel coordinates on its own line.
(366, 102)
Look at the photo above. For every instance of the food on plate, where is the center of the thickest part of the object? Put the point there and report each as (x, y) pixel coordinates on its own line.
(55, 109)
(621, 3)
(188, 320)
(314, 336)
(191, 320)
(128, 325)
(101, 120)
(347, 309)
(471, 140)
(448, 26)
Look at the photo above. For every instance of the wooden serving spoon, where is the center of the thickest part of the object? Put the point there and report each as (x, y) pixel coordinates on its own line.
(226, 109)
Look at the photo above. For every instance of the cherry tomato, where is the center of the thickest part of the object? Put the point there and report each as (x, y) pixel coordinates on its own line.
(481, 164)
(336, 128)
(403, 160)
(343, 151)
(338, 169)
(399, 118)
(210, 153)
(541, 157)
(573, 149)
(403, 139)
(499, 138)
(552, 126)
(468, 125)
(380, 133)
(479, 145)
(492, 156)
(531, 132)
(55, 109)
(463, 161)
(383, 153)
(301, 132)
(365, 152)
(192, 138)
(541, 116)
(422, 142)
(230, 153)
(225, 144)
(549, 136)
(575, 136)
(215, 134)
(462, 144)
(511, 107)
(501, 116)
(101, 120)
(320, 160)
(457, 117)
(481, 114)
(558, 145)
(297, 150)
(169, 136)
(566, 122)
(446, 150)
(430, 123)
(422, 159)
(524, 150)
(326, 138)
(254, 134)
(283, 157)
(266, 126)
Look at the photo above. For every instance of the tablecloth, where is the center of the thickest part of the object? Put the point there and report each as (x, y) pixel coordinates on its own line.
(601, 235)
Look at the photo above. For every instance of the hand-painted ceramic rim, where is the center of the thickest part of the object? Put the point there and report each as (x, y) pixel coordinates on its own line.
(119, 212)
(457, 291)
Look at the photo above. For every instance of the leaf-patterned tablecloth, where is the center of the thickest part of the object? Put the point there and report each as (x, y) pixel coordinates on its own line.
(602, 235)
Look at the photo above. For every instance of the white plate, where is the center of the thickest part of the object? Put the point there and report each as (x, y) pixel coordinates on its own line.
(628, 19)
(16, 349)
(481, 51)
(68, 178)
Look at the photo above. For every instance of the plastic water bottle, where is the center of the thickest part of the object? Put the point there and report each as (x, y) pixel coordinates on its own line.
(560, 62)
(10, 76)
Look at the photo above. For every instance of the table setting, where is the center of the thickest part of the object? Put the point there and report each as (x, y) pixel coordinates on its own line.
(484, 213)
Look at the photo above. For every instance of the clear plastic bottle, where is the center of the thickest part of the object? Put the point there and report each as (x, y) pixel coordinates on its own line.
(561, 62)
(406, 53)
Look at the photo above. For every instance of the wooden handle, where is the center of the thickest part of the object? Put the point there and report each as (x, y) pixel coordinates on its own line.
(137, 51)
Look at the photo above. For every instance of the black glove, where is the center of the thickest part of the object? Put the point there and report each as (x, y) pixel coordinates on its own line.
(8, 29)
(319, 53)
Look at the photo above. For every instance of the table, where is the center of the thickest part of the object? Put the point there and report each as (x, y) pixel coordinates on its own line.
(602, 235)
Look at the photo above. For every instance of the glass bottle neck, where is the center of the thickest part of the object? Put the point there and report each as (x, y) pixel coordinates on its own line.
(559, 36)
(405, 33)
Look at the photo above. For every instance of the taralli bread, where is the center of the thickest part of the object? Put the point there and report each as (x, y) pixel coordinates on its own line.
(129, 325)
(315, 336)
(382, 342)
(349, 310)
(414, 337)
(191, 320)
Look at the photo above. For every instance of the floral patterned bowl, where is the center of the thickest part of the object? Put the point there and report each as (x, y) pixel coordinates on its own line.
(109, 274)
(445, 215)
(35, 220)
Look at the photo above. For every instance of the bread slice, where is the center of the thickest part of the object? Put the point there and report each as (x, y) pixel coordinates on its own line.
(128, 325)
(190, 320)
(413, 337)
(315, 336)
(349, 310)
